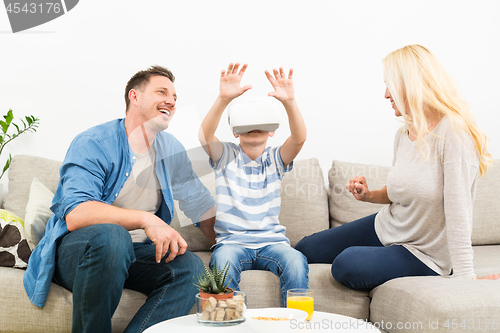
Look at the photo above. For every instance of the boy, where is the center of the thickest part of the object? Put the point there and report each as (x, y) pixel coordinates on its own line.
(248, 177)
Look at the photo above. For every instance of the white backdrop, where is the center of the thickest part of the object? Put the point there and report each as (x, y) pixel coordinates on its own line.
(71, 72)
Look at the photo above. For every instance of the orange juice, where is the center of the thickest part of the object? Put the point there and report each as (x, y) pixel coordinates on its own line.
(303, 303)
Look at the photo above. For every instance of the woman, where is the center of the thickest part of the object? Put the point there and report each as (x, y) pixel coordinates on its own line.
(425, 229)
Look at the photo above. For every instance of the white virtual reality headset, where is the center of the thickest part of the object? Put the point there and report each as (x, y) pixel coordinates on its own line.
(254, 113)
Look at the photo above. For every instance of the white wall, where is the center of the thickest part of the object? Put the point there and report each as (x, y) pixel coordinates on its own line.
(72, 72)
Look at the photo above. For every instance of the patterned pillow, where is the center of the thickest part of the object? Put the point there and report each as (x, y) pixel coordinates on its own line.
(14, 249)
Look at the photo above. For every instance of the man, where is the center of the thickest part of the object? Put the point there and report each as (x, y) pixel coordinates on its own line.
(118, 177)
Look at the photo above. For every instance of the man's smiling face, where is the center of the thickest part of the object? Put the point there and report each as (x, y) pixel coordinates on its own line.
(157, 101)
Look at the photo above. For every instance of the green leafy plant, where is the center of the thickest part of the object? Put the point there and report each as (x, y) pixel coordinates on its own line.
(30, 125)
(213, 281)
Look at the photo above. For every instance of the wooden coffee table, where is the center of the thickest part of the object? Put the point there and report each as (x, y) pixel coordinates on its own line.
(322, 322)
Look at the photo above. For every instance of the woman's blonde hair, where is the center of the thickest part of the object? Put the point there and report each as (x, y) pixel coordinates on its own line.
(423, 91)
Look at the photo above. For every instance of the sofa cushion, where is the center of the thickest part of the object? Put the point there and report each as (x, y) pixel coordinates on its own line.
(343, 207)
(331, 296)
(486, 259)
(428, 304)
(428, 300)
(22, 170)
(18, 314)
(304, 203)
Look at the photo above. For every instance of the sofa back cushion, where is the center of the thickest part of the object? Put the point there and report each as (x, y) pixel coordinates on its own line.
(344, 208)
(304, 200)
(486, 227)
(304, 203)
(23, 169)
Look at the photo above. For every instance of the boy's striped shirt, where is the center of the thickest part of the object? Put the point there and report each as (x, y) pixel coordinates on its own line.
(248, 197)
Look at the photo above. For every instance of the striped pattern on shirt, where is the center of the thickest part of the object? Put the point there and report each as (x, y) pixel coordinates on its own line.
(248, 197)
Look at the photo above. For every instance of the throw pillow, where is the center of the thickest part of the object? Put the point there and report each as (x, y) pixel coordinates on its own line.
(14, 249)
(37, 212)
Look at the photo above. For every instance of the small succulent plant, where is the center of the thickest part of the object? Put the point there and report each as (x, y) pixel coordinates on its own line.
(213, 281)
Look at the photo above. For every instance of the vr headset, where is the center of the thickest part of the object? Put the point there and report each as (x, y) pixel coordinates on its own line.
(254, 113)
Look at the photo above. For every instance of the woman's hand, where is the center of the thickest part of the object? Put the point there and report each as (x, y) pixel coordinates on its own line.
(490, 277)
(359, 189)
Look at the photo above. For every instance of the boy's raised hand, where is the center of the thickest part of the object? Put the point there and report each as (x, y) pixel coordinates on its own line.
(283, 86)
(230, 81)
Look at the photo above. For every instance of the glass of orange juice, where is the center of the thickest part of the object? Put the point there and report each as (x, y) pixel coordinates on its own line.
(301, 299)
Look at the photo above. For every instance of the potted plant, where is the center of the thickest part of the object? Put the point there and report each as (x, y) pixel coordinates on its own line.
(30, 125)
(216, 302)
(212, 282)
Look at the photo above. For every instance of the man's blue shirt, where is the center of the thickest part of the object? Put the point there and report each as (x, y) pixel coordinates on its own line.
(96, 166)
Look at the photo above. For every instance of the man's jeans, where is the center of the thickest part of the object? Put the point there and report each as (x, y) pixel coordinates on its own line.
(98, 261)
(284, 261)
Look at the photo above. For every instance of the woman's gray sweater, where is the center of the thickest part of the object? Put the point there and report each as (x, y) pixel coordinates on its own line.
(432, 199)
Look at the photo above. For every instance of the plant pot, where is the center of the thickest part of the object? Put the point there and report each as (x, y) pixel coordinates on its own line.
(227, 309)
(216, 296)
(204, 296)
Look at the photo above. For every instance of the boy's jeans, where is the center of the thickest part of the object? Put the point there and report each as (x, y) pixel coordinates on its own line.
(284, 261)
(98, 261)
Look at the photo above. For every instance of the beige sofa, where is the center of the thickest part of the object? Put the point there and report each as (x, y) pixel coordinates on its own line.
(401, 305)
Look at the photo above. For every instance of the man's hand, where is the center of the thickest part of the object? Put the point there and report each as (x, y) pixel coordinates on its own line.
(283, 86)
(230, 81)
(165, 238)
